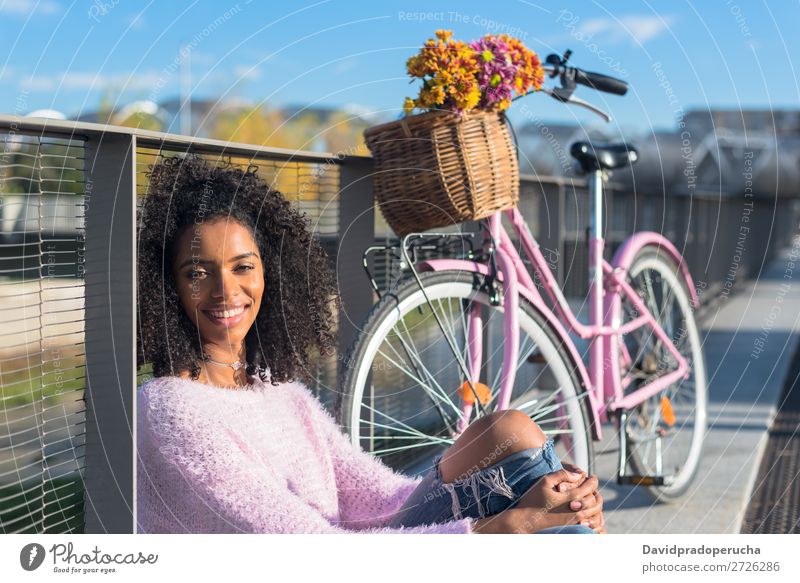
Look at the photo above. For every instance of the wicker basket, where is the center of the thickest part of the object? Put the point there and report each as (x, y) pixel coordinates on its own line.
(436, 169)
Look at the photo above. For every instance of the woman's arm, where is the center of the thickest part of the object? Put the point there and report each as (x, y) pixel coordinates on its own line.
(370, 492)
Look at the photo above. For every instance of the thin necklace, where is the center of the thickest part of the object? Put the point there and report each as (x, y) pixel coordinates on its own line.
(234, 365)
(245, 387)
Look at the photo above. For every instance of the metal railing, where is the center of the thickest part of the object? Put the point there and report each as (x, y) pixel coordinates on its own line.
(80, 245)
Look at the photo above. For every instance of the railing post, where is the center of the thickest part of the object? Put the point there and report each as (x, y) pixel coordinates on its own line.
(551, 235)
(356, 233)
(110, 357)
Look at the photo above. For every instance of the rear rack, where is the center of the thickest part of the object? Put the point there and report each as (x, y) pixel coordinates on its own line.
(419, 247)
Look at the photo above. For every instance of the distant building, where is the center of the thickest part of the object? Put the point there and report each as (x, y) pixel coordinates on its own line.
(718, 150)
(776, 122)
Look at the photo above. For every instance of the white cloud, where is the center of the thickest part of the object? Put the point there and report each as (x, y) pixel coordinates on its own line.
(201, 58)
(247, 72)
(632, 28)
(38, 83)
(344, 66)
(76, 80)
(25, 7)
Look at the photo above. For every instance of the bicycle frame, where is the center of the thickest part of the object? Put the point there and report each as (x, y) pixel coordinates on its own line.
(608, 286)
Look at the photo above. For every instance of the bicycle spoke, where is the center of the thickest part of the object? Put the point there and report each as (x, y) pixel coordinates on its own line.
(447, 322)
(552, 420)
(430, 390)
(668, 319)
(413, 354)
(544, 411)
(427, 388)
(651, 298)
(405, 426)
(454, 335)
(524, 353)
(558, 431)
(466, 310)
(391, 450)
(551, 396)
(402, 437)
(408, 434)
(431, 376)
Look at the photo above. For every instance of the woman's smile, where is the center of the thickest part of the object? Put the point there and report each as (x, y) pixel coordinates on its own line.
(228, 316)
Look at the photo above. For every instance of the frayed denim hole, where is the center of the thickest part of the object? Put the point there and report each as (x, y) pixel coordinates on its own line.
(493, 480)
(456, 506)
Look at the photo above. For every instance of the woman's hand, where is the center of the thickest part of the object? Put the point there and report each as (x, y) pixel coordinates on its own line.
(600, 529)
(557, 499)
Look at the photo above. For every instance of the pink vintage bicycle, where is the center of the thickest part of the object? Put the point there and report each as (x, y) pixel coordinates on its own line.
(476, 331)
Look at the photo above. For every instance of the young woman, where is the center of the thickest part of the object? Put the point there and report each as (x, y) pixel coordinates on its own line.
(235, 295)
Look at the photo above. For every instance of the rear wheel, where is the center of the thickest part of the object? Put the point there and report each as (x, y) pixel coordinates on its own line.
(401, 398)
(665, 433)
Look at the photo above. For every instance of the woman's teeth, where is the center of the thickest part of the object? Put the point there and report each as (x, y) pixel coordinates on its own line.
(228, 313)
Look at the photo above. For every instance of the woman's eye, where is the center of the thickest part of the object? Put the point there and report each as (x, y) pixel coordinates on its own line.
(245, 268)
(197, 274)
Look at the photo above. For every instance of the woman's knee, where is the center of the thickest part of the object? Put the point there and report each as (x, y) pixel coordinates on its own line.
(488, 440)
(513, 425)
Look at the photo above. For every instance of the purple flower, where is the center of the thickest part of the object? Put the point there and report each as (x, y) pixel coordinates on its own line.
(497, 72)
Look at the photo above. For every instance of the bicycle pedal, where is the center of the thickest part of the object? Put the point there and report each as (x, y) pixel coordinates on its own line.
(637, 480)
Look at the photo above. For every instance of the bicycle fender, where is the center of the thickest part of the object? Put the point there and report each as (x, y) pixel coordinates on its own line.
(537, 302)
(625, 255)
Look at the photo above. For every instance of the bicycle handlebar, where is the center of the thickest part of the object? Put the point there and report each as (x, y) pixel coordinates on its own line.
(556, 66)
(600, 82)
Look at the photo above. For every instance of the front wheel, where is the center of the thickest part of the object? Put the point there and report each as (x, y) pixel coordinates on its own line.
(401, 397)
(665, 433)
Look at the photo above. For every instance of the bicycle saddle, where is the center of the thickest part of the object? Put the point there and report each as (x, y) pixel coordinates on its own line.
(603, 156)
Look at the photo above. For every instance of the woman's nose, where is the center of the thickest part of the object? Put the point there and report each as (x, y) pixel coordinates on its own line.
(225, 287)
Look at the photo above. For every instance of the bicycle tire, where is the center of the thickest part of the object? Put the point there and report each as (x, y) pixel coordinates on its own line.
(687, 398)
(406, 297)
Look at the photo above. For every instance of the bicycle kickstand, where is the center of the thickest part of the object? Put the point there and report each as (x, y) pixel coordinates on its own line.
(623, 477)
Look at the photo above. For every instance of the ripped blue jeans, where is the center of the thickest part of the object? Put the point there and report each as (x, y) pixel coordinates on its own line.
(482, 493)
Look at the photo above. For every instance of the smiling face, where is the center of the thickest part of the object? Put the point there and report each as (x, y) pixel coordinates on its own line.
(219, 277)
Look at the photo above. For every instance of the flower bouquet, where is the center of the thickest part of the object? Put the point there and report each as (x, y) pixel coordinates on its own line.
(456, 160)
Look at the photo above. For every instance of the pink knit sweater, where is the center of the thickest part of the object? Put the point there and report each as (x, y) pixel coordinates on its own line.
(270, 459)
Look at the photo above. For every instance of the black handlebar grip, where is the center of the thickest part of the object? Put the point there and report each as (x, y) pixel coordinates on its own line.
(601, 82)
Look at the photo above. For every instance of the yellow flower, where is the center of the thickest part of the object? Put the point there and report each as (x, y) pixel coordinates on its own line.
(408, 105)
(437, 92)
(444, 35)
(415, 66)
(426, 98)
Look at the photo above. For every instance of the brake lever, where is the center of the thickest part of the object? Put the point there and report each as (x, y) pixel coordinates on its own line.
(569, 98)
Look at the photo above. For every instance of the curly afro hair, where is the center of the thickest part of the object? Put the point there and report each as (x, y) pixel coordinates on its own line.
(296, 316)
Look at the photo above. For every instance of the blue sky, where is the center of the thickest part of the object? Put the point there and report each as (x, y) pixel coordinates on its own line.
(676, 55)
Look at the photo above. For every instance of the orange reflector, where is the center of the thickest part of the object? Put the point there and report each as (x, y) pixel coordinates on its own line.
(484, 393)
(667, 414)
